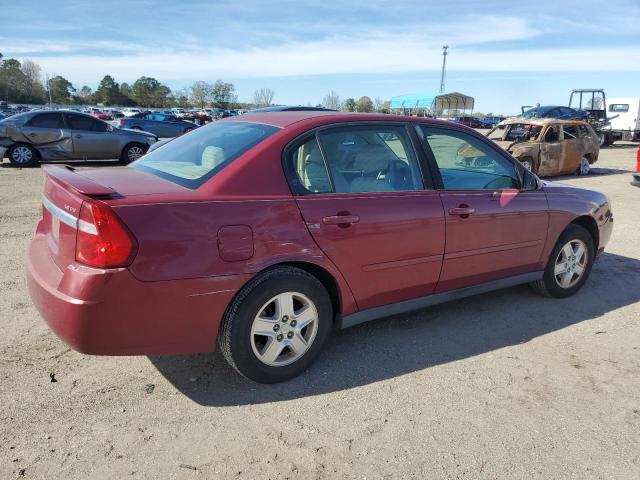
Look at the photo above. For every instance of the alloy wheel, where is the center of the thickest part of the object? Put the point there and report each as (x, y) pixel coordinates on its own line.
(284, 329)
(571, 263)
(22, 154)
(134, 153)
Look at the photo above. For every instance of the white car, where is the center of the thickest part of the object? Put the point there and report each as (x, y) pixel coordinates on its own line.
(130, 112)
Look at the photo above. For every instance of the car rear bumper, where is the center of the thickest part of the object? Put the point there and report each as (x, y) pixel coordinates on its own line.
(110, 312)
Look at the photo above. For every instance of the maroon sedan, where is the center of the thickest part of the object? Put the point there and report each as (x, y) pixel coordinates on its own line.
(264, 232)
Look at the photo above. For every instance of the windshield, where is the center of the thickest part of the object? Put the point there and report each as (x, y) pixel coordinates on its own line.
(194, 158)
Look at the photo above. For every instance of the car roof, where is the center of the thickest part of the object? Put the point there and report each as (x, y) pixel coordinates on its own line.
(319, 117)
(541, 121)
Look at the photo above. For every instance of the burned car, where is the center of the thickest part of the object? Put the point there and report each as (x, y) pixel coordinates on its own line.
(549, 147)
(30, 137)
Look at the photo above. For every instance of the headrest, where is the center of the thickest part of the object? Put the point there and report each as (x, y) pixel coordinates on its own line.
(372, 159)
(212, 157)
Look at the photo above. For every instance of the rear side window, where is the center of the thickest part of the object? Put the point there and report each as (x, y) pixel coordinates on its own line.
(467, 163)
(47, 120)
(193, 159)
(358, 159)
(570, 132)
(619, 107)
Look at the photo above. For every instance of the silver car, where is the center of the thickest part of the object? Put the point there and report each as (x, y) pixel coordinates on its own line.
(62, 135)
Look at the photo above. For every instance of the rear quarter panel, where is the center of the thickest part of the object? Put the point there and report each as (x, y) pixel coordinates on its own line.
(181, 240)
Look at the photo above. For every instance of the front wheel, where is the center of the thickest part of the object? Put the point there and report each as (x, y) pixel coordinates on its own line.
(569, 265)
(133, 152)
(276, 326)
(23, 155)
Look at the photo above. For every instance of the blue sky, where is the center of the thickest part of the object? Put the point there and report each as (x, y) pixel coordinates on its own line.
(504, 53)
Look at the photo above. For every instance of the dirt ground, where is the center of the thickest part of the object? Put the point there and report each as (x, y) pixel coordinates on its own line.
(506, 385)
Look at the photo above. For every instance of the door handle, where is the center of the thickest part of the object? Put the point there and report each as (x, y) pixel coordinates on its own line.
(78, 136)
(462, 211)
(33, 134)
(341, 220)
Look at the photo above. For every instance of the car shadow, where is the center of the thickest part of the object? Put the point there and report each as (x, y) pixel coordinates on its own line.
(593, 172)
(398, 346)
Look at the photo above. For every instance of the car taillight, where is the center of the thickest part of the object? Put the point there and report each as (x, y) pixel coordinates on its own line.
(120, 121)
(102, 240)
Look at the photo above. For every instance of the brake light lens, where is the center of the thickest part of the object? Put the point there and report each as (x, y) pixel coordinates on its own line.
(120, 121)
(102, 240)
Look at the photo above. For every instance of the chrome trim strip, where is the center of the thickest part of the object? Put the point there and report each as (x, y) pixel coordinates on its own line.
(87, 227)
(62, 215)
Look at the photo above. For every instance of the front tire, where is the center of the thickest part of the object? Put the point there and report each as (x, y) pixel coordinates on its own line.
(133, 151)
(23, 155)
(569, 264)
(277, 325)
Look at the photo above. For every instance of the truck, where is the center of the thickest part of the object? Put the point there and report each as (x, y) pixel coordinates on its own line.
(611, 118)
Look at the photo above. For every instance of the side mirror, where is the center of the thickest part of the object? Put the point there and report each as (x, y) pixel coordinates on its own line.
(529, 181)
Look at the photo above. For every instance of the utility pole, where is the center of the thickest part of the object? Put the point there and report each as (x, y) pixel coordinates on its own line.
(444, 64)
(46, 76)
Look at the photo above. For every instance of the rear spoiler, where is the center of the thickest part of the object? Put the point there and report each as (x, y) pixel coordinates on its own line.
(68, 177)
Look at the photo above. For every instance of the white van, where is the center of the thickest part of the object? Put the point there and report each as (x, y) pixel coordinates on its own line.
(624, 115)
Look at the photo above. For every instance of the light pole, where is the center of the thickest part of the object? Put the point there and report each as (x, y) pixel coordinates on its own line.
(444, 64)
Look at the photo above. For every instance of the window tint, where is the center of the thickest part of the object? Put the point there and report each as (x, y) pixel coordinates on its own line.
(570, 132)
(619, 107)
(552, 134)
(80, 122)
(47, 120)
(193, 159)
(468, 163)
(370, 159)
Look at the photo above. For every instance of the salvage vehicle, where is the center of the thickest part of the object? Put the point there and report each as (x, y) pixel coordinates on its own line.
(266, 231)
(160, 124)
(549, 147)
(624, 123)
(473, 122)
(554, 111)
(62, 135)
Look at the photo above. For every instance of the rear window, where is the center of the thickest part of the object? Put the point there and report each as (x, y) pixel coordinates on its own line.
(619, 107)
(193, 159)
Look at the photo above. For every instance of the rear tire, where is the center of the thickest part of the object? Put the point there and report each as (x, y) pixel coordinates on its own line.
(23, 155)
(584, 168)
(568, 268)
(277, 325)
(133, 151)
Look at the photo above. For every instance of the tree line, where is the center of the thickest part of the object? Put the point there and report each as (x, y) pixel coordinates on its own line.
(23, 82)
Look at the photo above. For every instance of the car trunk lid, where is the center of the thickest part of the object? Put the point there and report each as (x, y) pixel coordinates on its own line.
(67, 188)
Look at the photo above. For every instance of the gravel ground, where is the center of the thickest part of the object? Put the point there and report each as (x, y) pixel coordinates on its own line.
(505, 385)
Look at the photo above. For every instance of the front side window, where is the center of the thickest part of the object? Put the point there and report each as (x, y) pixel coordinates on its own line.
(552, 135)
(47, 120)
(193, 159)
(468, 163)
(85, 123)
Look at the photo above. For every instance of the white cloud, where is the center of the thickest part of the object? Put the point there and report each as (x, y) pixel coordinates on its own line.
(335, 56)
